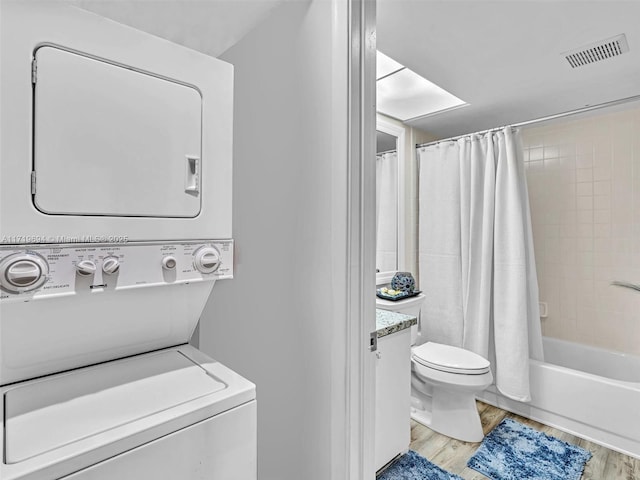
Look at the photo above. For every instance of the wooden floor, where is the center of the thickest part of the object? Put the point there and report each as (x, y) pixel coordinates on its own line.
(452, 455)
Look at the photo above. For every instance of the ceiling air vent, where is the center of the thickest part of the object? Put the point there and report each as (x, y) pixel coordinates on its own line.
(611, 47)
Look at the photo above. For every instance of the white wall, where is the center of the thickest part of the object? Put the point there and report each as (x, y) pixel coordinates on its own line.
(277, 321)
(584, 185)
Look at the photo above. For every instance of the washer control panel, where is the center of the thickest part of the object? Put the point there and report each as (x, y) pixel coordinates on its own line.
(39, 270)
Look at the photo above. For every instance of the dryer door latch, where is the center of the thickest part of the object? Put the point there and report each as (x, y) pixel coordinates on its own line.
(192, 175)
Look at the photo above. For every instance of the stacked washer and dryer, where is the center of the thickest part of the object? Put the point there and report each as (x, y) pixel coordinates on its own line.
(115, 224)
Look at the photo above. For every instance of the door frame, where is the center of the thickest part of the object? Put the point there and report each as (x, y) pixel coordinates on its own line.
(353, 369)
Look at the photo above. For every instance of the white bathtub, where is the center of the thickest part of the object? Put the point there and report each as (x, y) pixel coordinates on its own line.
(589, 392)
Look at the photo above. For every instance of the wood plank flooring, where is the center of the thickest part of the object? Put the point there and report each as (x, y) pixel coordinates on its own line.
(452, 455)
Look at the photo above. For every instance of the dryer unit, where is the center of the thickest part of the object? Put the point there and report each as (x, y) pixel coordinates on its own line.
(108, 132)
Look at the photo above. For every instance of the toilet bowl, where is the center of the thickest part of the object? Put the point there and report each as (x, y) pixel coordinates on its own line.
(444, 380)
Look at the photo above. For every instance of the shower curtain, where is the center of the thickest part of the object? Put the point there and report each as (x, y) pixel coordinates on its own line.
(387, 211)
(476, 261)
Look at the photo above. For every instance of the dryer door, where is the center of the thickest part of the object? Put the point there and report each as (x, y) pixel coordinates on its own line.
(112, 140)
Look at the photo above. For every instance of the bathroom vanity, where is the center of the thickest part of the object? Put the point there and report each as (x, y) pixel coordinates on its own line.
(393, 385)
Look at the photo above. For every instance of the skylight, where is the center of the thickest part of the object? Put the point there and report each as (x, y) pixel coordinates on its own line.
(404, 95)
(386, 66)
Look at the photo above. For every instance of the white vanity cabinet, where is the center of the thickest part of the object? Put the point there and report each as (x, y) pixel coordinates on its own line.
(393, 391)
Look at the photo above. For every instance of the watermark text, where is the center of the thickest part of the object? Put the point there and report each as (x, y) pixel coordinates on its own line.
(64, 239)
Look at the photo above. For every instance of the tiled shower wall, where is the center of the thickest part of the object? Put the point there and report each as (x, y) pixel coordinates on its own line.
(584, 186)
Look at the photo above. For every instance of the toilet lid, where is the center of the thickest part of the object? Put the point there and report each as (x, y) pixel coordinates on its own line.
(450, 359)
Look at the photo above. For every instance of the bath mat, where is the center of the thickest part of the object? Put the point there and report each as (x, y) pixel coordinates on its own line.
(513, 451)
(412, 466)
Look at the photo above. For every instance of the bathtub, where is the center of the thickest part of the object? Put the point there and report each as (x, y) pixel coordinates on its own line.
(587, 391)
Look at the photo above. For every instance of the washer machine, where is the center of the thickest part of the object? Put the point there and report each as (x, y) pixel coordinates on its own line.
(171, 414)
(98, 381)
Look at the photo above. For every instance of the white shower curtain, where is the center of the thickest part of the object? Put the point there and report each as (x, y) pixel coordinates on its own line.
(387, 211)
(476, 262)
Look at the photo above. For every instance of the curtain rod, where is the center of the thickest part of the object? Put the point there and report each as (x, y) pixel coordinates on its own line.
(537, 120)
(394, 150)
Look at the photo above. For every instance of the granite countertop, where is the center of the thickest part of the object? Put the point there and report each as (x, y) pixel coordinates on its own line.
(391, 322)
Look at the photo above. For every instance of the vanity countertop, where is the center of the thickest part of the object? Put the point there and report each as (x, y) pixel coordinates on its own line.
(391, 322)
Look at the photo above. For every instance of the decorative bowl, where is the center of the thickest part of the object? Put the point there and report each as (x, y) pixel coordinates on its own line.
(403, 281)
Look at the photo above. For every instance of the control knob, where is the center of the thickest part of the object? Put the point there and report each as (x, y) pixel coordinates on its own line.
(110, 265)
(22, 272)
(86, 268)
(169, 262)
(207, 260)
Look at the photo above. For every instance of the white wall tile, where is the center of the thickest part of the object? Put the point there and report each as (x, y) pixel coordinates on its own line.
(602, 202)
(602, 173)
(585, 216)
(536, 154)
(584, 203)
(585, 176)
(584, 189)
(602, 188)
(602, 230)
(602, 216)
(584, 160)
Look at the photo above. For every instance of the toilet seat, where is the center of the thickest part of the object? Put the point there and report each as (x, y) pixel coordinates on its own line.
(450, 359)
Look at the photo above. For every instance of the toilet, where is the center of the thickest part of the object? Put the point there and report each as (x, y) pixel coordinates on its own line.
(444, 380)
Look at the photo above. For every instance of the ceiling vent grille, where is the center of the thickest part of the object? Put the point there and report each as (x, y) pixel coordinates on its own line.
(611, 47)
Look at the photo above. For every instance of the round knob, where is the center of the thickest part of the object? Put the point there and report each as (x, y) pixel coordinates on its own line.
(169, 263)
(207, 260)
(86, 268)
(22, 272)
(110, 265)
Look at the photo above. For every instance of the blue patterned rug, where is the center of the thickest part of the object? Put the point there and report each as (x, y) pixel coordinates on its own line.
(412, 466)
(513, 451)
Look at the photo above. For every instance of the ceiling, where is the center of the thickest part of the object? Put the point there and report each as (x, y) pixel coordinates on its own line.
(501, 57)
(209, 26)
(504, 57)
(385, 142)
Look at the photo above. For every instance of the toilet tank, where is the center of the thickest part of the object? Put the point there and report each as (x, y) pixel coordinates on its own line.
(408, 306)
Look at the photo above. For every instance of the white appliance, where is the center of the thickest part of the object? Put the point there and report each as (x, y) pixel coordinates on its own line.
(115, 224)
(108, 133)
(97, 380)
